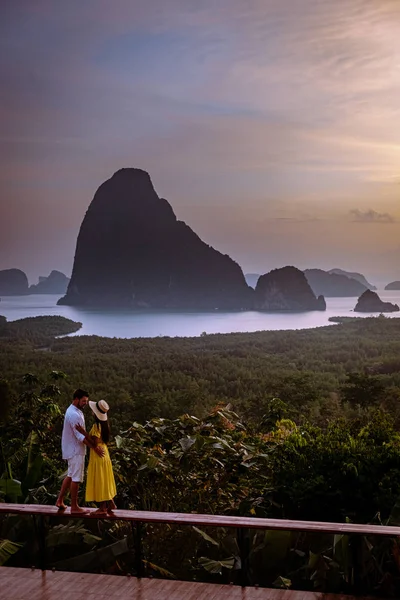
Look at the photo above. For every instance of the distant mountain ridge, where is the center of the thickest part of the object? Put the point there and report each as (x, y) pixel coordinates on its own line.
(357, 276)
(328, 283)
(333, 285)
(55, 283)
(394, 285)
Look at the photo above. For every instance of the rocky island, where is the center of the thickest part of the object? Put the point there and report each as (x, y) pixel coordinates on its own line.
(132, 251)
(369, 302)
(286, 289)
(55, 283)
(13, 282)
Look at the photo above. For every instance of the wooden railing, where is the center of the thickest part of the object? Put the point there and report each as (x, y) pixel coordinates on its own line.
(137, 518)
(206, 520)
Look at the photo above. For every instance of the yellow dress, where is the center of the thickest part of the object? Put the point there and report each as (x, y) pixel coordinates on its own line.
(100, 482)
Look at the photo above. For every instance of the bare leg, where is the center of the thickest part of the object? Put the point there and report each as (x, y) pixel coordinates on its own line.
(74, 498)
(102, 510)
(111, 506)
(66, 484)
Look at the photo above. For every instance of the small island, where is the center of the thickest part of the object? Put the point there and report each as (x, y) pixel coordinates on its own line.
(286, 289)
(370, 302)
(13, 282)
(394, 285)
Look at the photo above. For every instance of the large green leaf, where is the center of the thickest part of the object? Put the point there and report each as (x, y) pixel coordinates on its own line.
(274, 548)
(205, 536)
(95, 559)
(163, 572)
(216, 566)
(33, 474)
(70, 534)
(342, 552)
(7, 549)
(33, 449)
(282, 583)
(11, 488)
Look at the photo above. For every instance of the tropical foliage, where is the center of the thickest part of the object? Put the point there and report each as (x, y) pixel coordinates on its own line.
(167, 377)
(271, 434)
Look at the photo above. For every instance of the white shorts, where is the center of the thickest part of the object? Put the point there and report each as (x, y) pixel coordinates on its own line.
(76, 468)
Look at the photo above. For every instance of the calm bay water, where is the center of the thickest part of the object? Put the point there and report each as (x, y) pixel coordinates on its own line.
(130, 324)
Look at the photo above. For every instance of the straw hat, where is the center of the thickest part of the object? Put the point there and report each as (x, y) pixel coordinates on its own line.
(100, 409)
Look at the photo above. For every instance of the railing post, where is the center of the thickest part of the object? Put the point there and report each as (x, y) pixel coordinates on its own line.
(243, 540)
(40, 530)
(357, 562)
(137, 540)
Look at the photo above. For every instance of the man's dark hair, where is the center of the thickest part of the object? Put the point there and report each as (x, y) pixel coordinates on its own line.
(80, 394)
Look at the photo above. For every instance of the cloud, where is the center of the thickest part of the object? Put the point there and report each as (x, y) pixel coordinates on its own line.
(371, 216)
(228, 104)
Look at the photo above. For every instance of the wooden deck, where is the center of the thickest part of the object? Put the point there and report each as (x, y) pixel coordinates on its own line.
(27, 584)
(35, 584)
(207, 520)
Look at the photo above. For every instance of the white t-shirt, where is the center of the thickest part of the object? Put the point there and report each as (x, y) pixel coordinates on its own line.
(71, 440)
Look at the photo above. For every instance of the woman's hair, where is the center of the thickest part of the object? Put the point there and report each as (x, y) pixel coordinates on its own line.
(105, 430)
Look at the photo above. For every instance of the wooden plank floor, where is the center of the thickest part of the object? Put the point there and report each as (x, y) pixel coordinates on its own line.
(27, 584)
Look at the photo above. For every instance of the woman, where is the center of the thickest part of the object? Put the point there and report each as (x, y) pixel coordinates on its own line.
(100, 482)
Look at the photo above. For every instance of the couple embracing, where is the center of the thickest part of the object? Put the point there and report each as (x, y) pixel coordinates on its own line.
(100, 483)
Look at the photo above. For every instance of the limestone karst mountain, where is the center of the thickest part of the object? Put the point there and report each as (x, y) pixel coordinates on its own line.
(13, 282)
(286, 289)
(55, 283)
(132, 251)
(369, 301)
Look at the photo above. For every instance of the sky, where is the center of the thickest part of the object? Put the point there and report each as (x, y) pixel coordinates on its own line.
(271, 126)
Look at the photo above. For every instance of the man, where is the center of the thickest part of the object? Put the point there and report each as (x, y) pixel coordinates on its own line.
(73, 446)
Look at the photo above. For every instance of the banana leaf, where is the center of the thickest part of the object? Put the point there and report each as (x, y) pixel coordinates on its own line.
(33, 475)
(216, 566)
(7, 549)
(70, 534)
(163, 572)
(11, 488)
(205, 536)
(95, 560)
(342, 554)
